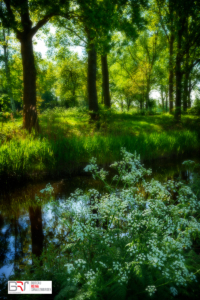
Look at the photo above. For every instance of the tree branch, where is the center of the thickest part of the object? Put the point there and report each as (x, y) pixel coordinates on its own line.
(73, 31)
(11, 15)
(41, 23)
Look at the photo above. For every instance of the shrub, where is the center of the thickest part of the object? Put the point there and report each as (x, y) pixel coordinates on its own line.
(132, 242)
(195, 110)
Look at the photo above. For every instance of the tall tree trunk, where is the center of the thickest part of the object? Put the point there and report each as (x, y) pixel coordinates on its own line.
(102, 93)
(8, 86)
(189, 93)
(91, 80)
(30, 117)
(166, 99)
(162, 98)
(147, 95)
(37, 235)
(140, 97)
(185, 86)
(105, 79)
(177, 114)
(171, 72)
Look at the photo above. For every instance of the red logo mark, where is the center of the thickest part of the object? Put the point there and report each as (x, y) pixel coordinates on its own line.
(19, 285)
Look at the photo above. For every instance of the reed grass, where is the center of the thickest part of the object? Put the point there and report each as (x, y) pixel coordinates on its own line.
(68, 140)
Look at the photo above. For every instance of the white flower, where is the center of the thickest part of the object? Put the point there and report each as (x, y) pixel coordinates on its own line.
(174, 291)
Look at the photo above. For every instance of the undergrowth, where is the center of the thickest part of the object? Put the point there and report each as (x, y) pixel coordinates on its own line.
(136, 242)
(67, 140)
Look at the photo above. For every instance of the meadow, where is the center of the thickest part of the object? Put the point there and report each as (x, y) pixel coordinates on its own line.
(68, 139)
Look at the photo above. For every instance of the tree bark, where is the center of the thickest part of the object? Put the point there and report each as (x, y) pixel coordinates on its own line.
(186, 79)
(105, 80)
(177, 114)
(186, 69)
(189, 93)
(171, 73)
(9, 88)
(30, 117)
(91, 80)
(147, 95)
(162, 98)
(166, 99)
(141, 98)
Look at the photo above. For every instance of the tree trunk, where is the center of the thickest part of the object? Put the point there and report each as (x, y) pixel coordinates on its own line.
(189, 93)
(162, 98)
(140, 97)
(8, 85)
(128, 104)
(91, 81)
(147, 95)
(171, 72)
(102, 93)
(30, 118)
(105, 79)
(166, 98)
(37, 235)
(185, 86)
(177, 114)
(186, 79)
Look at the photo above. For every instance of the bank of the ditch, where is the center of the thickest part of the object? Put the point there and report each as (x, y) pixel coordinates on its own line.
(36, 156)
(68, 140)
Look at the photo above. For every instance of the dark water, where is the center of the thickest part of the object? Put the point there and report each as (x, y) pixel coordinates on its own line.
(27, 228)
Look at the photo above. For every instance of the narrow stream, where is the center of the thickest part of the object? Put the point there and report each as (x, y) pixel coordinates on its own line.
(26, 228)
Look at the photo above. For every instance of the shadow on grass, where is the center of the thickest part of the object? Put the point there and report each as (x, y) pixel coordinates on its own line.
(68, 140)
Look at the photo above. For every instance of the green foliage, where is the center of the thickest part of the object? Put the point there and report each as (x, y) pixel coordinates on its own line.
(49, 100)
(126, 243)
(23, 155)
(4, 103)
(68, 140)
(195, 110)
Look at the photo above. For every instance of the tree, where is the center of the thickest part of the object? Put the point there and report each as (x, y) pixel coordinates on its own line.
(137, 62)
(180, 21)
(71, 78)
(5, 36)
(16, 14)
(98, 19)
(165, 11)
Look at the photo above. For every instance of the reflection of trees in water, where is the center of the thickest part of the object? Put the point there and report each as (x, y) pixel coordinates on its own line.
(22, 219)
(37, 235)
(3, 242)
(20, 233)
(12, 239)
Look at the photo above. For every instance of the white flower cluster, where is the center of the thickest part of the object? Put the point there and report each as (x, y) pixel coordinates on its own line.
(174, 291)
(151, 289)
(48, 189)
(122, 273)
(151, 223)
(70, 268)
(188, 162)
(102, 264)
(80, 263)
(132, 249)
(91, 276)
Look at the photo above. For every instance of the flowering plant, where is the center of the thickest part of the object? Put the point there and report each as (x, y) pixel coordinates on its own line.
(130, 241)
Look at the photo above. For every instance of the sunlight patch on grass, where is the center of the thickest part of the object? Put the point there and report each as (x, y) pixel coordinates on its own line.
(67, 139)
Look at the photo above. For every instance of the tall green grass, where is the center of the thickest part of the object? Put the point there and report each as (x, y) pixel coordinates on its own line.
(25, 155)
(63, 153)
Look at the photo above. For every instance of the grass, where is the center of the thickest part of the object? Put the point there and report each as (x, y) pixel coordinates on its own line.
(67, 140)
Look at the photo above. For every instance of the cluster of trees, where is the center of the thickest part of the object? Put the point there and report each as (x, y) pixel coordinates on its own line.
(131, 47)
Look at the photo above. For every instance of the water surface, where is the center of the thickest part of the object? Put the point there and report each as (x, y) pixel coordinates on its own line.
(27, 228)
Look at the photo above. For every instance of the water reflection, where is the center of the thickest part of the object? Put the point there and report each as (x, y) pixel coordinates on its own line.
(37, 236)
(26, 227)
